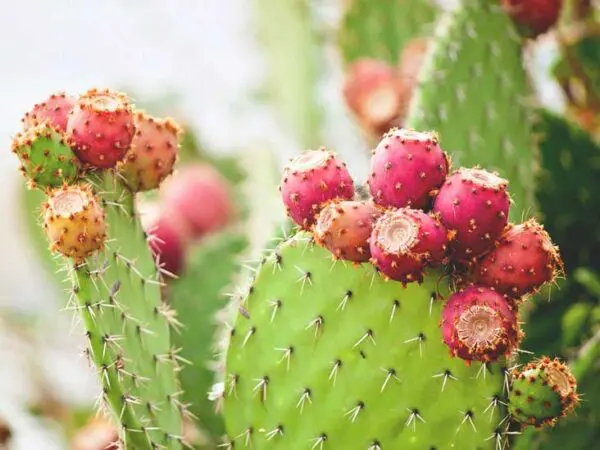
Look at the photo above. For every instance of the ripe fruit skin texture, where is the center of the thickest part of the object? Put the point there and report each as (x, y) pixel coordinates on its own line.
(407, 168)
(54, 109)
(373, 93)
(167, 242)
(200, 196)
(153, 152)
(46, 159)
(542, 392)
(473, 204)
(309, 181)
(344, 228)
(74, 222)
(524, 259)
(533, 17)
(478, 324)
(100, 128)
(405, 241)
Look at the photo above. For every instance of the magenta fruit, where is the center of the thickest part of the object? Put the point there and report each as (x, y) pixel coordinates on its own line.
(201, 197)
(55, 109)
(153, 152)
(344, 228)
(167, 237)
(479, 324)
(407, 168)
(524, 259)
(405, 241)
(309, 181)
(473, 204)
(100, 128)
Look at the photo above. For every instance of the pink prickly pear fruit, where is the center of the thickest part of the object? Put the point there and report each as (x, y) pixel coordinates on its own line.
(167, 241)
(74, 221)
(407, 169)
(55, 109)
(523, 260)
(344, 228)
(100, 128)
(473, 204)
(411, 60)
(309, 181)
(201, 197)
(153, 152)
(372, 92)
(533, 17)
(479, 324)
(405, 241)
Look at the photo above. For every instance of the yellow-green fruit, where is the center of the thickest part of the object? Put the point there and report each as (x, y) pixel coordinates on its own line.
(74, 222)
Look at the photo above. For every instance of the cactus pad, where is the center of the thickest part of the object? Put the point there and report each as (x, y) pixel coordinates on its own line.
(326, 355)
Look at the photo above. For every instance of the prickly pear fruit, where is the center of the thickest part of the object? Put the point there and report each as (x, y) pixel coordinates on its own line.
(167, 239)
(524, 259)
(473, 204)
(344, 228)
(201, 197)
(405, 241)
(542, 392)
(312, 179)
(478, 324)
(153, 152)
(74, 221)
(533, 17)
(100, 128)
(54, 109)
(407, 168)
(373, 94)
(46, 159)
(409, 66)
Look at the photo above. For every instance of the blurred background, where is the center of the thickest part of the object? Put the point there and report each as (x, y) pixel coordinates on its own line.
(241, 76)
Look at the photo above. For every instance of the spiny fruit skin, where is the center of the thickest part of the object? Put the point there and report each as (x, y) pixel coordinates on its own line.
(74, 221)
(100, 128)
(46, 159)
(478, 324)
(55, 109)
(473, 204)
(153, 152)
(542, 392)
(309, 181)
(523, 260)
(373, 93)
(344, 228)
(407, 168)
(201, 197)
(533, 17)
(405, 241)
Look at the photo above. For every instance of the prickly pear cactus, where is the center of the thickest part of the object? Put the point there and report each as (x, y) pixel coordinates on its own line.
(330, 355)
(474, 92)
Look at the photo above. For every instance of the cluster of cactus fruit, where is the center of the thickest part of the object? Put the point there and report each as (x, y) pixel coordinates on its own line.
(425, 232)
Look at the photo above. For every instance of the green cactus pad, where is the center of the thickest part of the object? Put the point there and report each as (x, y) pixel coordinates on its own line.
(474, 92)
(542, 392)
(118, 296)
(197, 297)
(46, 159)
(381, 29)
(331, 356)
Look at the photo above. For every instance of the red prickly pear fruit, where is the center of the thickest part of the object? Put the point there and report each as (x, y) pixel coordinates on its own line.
(344, 228)
(407, 169)
(479, 324)
(55, 110)
(74, 221)
(201, 197)
(473, 204)
(523, 260)
(153, 152)
(309, 181)
(405, 241)
(373, 93)
(100, 128)
(533, 17)
(167, 238)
